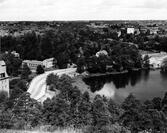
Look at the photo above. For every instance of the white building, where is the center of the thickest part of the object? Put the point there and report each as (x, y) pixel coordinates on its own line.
(130, 30)
(49, 63)
(15, 54)
(32, 64)
(4, 78)
(101, 52)
(156, 59)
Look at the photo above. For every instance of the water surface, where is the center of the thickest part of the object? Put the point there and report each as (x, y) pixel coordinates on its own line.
(143, 84)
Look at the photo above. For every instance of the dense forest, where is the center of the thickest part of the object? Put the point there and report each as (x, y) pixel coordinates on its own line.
(71, 108)
(77, 43)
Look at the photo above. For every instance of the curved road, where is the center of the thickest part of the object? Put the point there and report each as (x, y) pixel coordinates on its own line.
(37, 87)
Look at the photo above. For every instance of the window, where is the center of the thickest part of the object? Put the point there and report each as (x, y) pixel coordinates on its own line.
(2, 75)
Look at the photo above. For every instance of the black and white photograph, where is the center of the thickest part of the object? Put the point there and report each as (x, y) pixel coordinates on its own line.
(83, 66)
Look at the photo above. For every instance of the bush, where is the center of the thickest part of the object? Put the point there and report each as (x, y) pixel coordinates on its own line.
(39, 69)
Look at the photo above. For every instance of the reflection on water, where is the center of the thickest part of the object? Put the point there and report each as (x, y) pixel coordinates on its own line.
(143, 84)
(164, 76)
(108, 90)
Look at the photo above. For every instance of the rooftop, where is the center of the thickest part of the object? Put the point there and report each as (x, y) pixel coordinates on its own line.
(2, 63)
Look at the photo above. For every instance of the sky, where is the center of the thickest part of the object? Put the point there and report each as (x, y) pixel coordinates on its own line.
(48, 10)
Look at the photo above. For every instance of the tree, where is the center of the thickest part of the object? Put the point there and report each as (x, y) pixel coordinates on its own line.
(56, 112)
(3, 96)
(164, 104)
(80, 64)
(39, 70)
(13, 63)
(164, 100)
(158, 120)
(25, 72)
(146, 61)
(47, 42)
(5, 119)
(132, 113)
(157, 103)
(26, 112)
(102, 63)
(22, 84)
(114, 110)
(164, 65)
(69, 97)
(100, 113)
(31, 47)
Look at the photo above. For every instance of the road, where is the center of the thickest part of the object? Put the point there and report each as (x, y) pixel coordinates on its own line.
(37, 87)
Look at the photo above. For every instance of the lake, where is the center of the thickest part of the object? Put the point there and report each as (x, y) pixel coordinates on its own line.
(144, 85)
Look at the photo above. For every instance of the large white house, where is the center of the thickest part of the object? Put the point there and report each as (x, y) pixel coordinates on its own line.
(32, 64)
(4, 78)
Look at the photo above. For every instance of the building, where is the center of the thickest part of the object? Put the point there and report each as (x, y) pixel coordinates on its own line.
(101, 52)
(154, 30)
(137, 31)
(130, 30)
(143, 30)
(17, 55)
(4, 78)
(32, 64)
(156, 59)
(71, 65)
(49, 63)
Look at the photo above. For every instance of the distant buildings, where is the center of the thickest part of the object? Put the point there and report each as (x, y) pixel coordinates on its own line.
(4, 79)
(143, 30)
(130, 30)
(98, 25)
(153, 30)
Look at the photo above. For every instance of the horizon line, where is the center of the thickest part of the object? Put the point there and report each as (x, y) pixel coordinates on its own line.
(82, 20)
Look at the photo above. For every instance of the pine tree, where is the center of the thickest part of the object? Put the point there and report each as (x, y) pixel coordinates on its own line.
(40, 70)
(84, 110)
(26, 111)
(25, 72)
(56, 111)
(101, 115)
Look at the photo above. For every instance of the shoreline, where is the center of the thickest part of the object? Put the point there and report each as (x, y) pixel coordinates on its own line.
(104, 74)
(91, 75)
